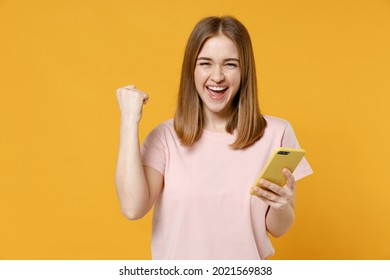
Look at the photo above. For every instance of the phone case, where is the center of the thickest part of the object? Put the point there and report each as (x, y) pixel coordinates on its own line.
(281, 158)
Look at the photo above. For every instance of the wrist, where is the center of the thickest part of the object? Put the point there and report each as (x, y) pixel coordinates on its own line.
(129, 122)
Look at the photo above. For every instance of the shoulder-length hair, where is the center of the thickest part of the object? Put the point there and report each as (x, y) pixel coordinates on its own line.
(245, 115)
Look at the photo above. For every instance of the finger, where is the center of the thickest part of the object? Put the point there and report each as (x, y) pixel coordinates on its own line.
(118, 97)
(121, 91)
(256, 191)
(277, 189)
(132, 89)
(267, 185)
(129, 87)
(290, 179)
(270, 196)
(273, 204)
(264, 183)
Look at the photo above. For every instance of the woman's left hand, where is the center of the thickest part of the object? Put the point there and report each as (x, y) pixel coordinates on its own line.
(274, 195)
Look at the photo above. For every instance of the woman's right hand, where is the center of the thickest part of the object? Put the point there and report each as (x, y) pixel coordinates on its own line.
(130, 101)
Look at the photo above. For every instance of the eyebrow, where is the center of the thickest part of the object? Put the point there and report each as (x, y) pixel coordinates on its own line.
(209, 59)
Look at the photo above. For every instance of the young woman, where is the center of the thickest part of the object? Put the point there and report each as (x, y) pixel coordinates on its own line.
(198, 169)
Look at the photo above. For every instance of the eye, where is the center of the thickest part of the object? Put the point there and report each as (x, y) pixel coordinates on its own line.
(231, 65)
(204, 63)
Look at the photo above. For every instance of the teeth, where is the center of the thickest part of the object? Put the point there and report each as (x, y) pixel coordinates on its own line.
(217, 88)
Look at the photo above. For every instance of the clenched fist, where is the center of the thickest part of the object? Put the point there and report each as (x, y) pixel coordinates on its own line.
(130, 101)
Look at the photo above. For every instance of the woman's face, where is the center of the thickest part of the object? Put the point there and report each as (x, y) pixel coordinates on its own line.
(217, 75)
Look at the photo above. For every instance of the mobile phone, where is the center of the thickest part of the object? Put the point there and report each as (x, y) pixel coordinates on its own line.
(281, 158)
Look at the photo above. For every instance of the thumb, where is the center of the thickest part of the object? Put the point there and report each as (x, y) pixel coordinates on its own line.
(145, 98)
(290, 180)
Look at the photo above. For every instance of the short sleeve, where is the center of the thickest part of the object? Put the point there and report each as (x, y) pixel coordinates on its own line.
(289, 140)
(153, 150)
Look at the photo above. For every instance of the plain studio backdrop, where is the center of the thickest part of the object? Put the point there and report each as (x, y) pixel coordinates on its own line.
(322, 65)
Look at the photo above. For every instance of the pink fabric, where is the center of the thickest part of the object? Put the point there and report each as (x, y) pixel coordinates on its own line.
(205, 210)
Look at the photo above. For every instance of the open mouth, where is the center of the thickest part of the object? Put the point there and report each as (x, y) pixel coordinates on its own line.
(216, 92)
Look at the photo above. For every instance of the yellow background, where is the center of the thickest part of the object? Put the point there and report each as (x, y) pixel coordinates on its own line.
(322, 65)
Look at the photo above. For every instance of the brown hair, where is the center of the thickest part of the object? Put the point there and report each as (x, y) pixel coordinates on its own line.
(245, 113)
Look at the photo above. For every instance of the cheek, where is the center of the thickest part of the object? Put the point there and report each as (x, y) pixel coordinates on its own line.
(200, 80)
(235, 83)
(199, 76)
(235, 80)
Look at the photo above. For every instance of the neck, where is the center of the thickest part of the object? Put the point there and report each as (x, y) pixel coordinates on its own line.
(215, 121)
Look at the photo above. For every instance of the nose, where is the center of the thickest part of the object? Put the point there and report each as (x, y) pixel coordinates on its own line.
(217, 74)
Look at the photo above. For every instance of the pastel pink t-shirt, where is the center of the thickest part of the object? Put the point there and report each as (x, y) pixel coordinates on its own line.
(205, 210)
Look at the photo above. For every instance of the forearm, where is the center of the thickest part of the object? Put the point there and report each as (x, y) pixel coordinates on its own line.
(278, 221)
(131, 184)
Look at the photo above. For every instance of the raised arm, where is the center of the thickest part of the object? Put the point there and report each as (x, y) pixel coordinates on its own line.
(137, 186)
(281, 200)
